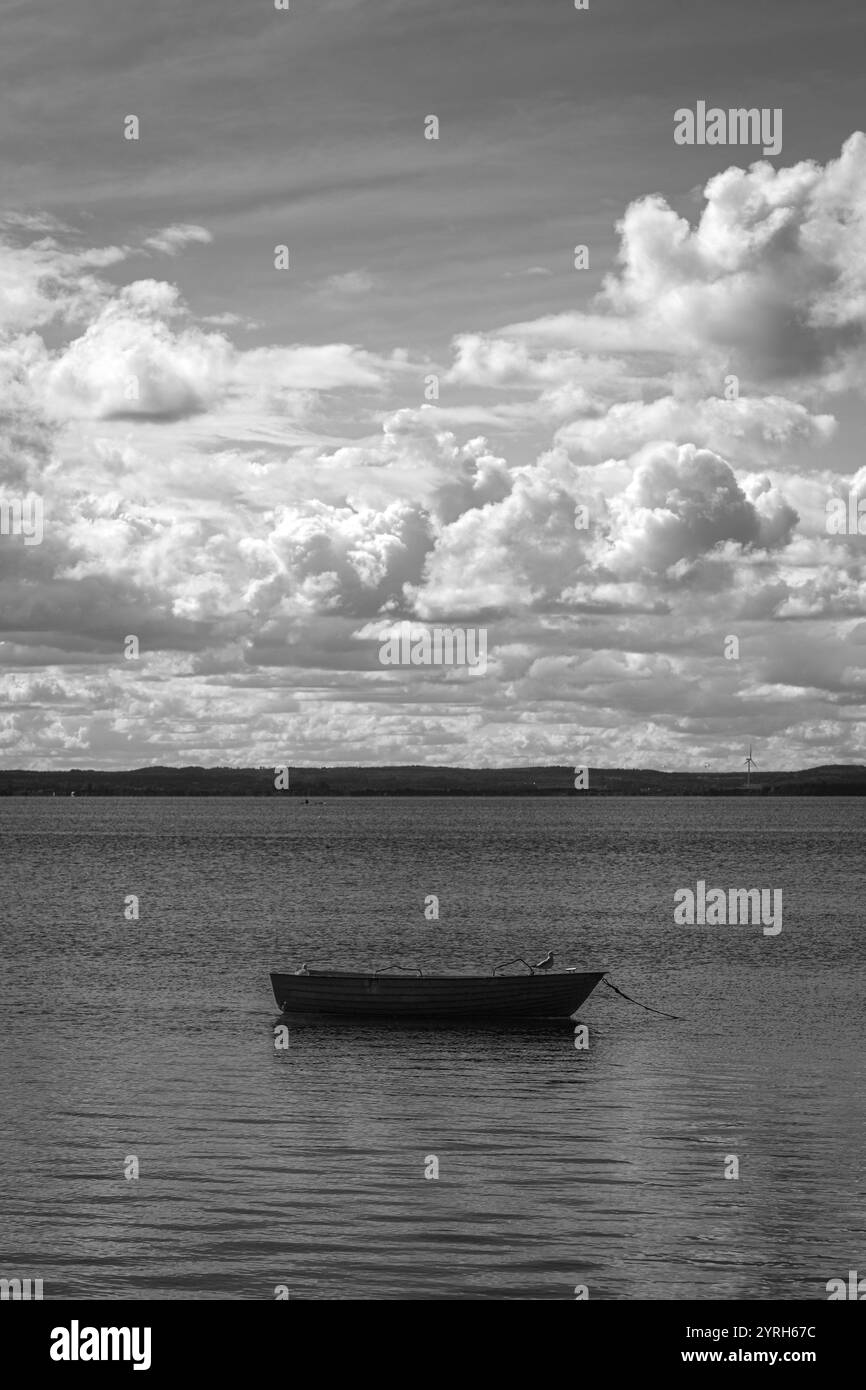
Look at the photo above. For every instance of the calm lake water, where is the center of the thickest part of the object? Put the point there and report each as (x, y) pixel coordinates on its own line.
(306, 1168)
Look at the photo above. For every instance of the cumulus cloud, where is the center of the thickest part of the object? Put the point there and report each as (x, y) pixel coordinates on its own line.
(256, 515)
(682, 503)
(131, 362)
(773, 274)
(770, 283)
(650, 518)
(140, 357)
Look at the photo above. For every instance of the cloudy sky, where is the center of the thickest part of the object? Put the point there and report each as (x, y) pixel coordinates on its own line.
(248, 468)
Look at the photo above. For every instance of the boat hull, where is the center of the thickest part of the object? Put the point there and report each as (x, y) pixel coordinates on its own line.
(349, 995)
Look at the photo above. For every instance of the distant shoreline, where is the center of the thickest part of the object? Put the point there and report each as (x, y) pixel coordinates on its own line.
(317, 782)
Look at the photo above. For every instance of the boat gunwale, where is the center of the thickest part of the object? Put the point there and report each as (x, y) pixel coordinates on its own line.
(415, 978)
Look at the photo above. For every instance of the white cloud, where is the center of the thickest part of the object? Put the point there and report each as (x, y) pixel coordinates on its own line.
(238, 511)
(175, 238)
(139, 359)
(681, 504)
(747, 427)
(351, 282)
(770, 283)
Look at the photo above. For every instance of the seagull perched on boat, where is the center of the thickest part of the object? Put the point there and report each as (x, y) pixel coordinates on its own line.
(546, 963)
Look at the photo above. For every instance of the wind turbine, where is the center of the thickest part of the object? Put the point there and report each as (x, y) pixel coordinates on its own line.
(750, 763)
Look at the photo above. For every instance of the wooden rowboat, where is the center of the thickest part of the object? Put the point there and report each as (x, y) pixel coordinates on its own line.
(352, 994)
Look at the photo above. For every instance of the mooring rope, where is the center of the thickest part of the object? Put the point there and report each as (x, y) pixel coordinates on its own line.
(563, 950)
(648, 1007)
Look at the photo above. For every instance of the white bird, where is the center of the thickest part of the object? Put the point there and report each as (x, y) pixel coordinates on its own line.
(546, 963)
